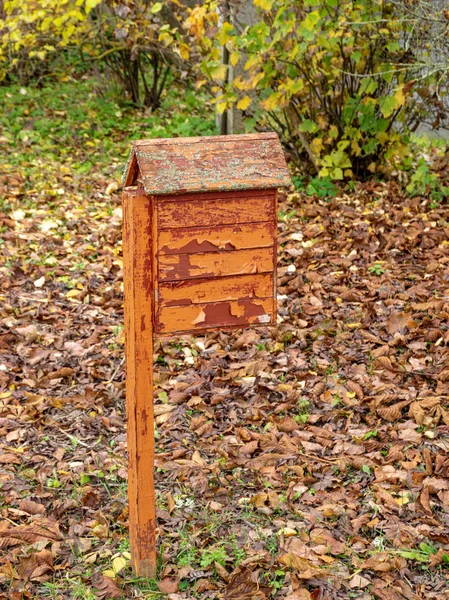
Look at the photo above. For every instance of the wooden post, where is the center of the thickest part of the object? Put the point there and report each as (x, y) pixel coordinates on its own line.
(138, 266)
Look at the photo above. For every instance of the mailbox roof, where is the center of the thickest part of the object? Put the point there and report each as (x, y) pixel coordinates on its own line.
(208, 164)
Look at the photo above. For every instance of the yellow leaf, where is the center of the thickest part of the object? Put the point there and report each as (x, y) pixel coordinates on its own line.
(244, 103)
(399, 96)
(253, 61)
(119, 563)
(72, 293)
(271, 102)
(90, 4)
(157, 7)
(402, 500)
(184, 50)
(109, 573)
(219, 73)
(311, 20)
(264, 4)
(234, 57)
(317, 145)
(221, 107)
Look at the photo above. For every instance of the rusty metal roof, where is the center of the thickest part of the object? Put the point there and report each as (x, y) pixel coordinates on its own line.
(208, 164)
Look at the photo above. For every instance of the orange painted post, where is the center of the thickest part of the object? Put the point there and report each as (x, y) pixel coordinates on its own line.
(199, 253)
(139, 307)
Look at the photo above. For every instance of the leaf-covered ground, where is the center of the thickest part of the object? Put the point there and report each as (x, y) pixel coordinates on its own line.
(304, 462)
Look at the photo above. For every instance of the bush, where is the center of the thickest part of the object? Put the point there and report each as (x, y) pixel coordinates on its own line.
(139, 41)
(142, 42)
(34, 32)
(340, 80)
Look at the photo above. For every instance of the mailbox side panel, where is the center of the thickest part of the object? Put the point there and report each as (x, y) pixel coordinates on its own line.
(216, 256)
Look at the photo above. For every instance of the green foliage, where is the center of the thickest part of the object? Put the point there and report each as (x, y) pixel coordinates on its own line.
(423, 554)
(424, 182)
(322, 188)
(187, 553)
(333, 77)
(275, 579)
(213, 554)
(376, 269)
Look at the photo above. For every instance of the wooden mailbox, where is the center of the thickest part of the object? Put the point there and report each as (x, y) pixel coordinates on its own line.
(199, 246)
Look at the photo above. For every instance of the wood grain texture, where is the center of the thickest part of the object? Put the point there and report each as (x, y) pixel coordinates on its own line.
(216, 239)
(214, 211)
(202, 164)
(197, 317)
(182, 293)
(139, 307)
(174, 267)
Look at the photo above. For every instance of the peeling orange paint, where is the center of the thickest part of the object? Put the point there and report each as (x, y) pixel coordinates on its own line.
(198, 291)
(213, 315)
(174, 267)
(200, 318)
(215, 239)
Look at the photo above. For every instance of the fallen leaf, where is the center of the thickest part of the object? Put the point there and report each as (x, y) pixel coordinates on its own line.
(106, 587)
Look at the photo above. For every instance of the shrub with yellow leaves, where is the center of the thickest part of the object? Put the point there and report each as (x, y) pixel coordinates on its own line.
(342, 81)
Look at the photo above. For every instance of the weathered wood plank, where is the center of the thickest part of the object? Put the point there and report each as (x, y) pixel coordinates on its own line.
(219, 314)
(173, 267)
(139, 307)
(227, 195)
(196, 291)
(203, 164)
(215, 211)
(216, 239)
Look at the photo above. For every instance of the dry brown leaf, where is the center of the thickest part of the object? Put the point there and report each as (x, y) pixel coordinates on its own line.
(168, 585)
(170, 502)
(304, 568)
(107, 589)
(399, 322)
(287, 425)
(417, 412)
(358, 582)
(244, 584)
(356, 388)
(384, 562)
(300, 594)
(32, 508)
(41, 529)
(248, 338)
(324, 537)
(385, 363)
(63, 372)
(9, 459)
(249, 448)
(91, 497)
(221, 571)
(36, 566)
(394, 412)
(443, 375)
